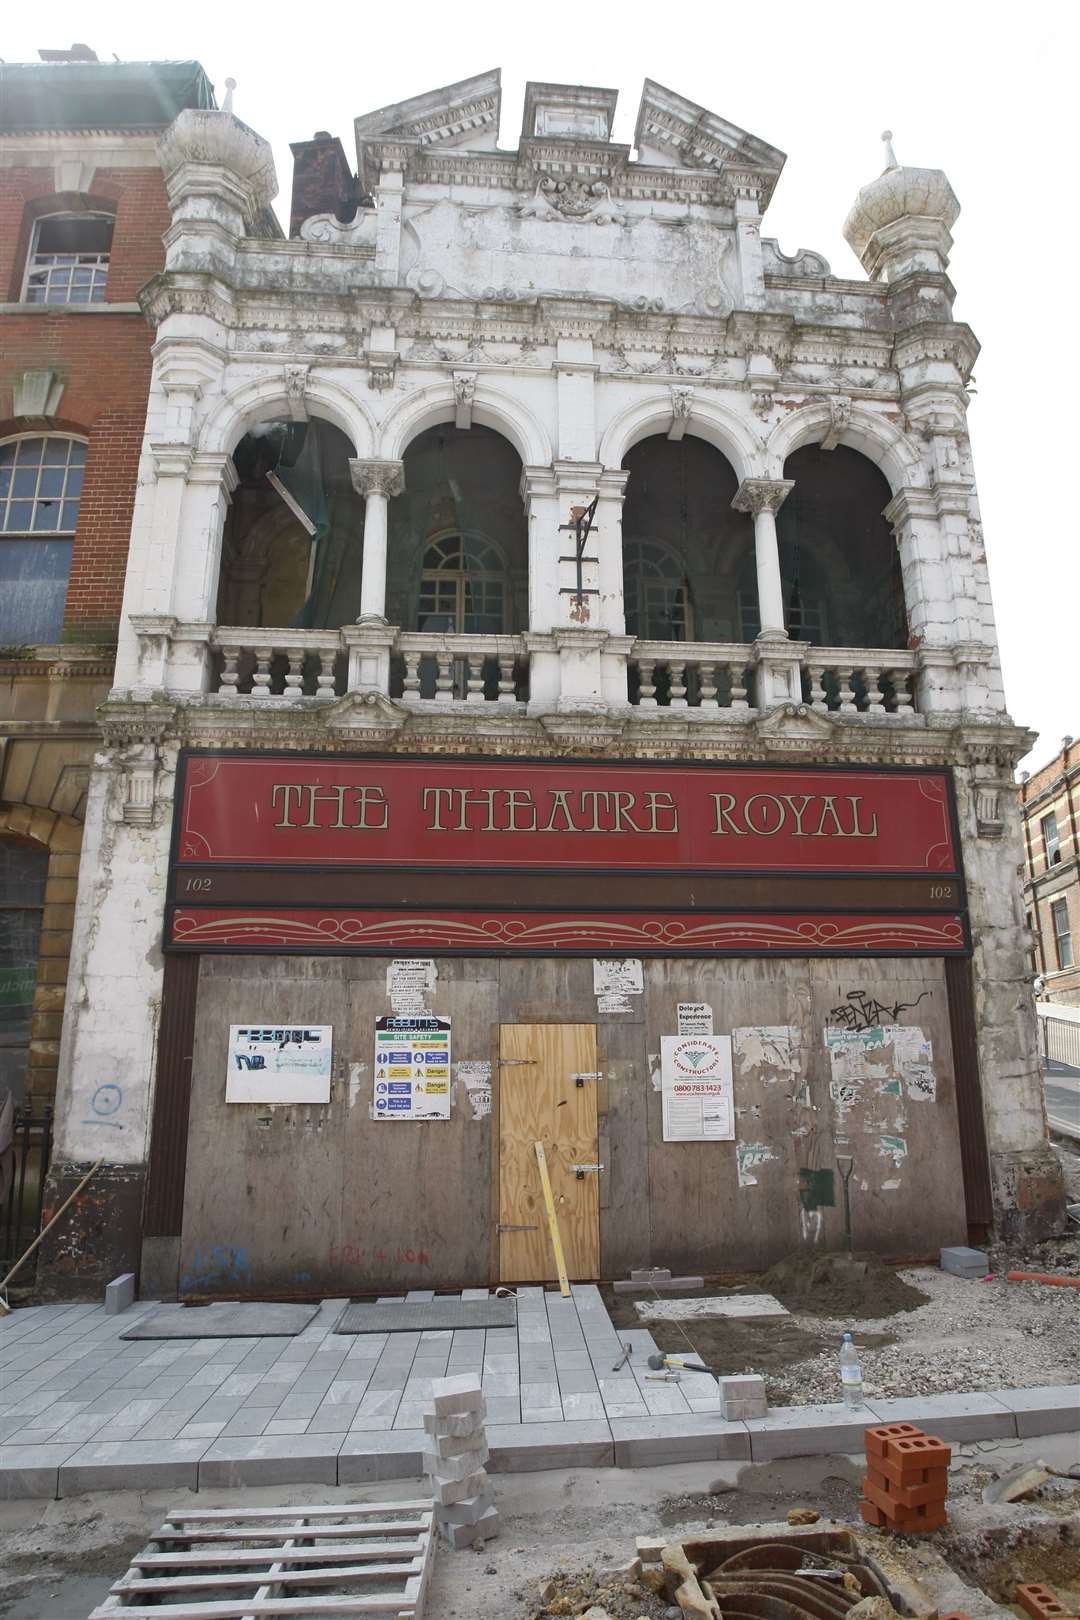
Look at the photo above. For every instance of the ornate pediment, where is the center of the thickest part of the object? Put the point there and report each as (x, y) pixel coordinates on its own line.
(672, 132)
(462, 114)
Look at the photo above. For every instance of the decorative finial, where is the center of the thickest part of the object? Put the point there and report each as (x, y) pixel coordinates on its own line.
(230, 86)
(890, 155)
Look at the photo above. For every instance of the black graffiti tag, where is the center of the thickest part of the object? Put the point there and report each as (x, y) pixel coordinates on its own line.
(860, 1011)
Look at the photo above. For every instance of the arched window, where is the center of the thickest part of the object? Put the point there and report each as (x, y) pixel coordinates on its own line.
(462, 586)
(657, 593)
(68, 261)
(40, 485)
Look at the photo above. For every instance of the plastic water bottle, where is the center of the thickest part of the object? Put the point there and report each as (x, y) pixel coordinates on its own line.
(850, 1372)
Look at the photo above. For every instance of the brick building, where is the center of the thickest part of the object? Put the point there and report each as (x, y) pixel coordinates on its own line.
(1050, 806)
(82, 212)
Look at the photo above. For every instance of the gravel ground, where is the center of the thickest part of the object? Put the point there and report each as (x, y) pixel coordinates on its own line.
(969, 1336)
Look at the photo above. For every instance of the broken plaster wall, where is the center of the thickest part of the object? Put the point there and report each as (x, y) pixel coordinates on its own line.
(1029, 1197)
(107, 1054)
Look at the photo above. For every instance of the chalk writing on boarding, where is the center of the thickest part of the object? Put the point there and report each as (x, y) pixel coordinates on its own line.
(860, 1011)
(104, 1104)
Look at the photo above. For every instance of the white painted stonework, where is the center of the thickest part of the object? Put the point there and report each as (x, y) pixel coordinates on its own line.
(576, 299)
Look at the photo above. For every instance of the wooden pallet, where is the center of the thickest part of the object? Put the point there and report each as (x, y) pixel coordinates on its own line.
(236, 1564)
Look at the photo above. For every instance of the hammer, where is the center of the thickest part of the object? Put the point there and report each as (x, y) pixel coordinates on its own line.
(658, 1362)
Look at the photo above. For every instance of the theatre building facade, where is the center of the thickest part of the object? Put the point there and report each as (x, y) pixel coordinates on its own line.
(557, 703)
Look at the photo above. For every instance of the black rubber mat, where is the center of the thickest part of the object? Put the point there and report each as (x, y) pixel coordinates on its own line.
(423, 1316)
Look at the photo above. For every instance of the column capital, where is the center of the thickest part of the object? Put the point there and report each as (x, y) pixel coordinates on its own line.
(762, 495)
(378, 477)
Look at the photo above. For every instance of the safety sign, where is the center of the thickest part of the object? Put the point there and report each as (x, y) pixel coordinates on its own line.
(412, 1068)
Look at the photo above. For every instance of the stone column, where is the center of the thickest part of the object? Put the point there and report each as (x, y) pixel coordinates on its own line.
(377, 482)
(764, 497)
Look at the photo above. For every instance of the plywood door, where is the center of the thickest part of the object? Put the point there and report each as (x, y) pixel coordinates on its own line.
(540, 1101)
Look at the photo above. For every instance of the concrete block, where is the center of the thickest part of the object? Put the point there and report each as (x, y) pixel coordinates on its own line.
(270, 1459)
(466, 1535)
(963, 1262)
(466, 1512)
(119, 1294)
(442, 1446)
(650, 1274)
(743, 1396)
(132, 1465)
(809, 1431)
(654, 1441)
(662, 1285)
(518, 1448)
(395, 1454)
(447, 1468)
(456, 1490)
(461, 1393)
(454, 1425)
(953, 1417)
(1054, 1410)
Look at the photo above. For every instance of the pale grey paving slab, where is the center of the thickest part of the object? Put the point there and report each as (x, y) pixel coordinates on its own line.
(164, 1426)
(539, 1394)
(577, 1407)
(503, 1408)
(410, 1414)
(643, 1442)
(335, 1419)
(271, 1459)
(345, 1390)
(366, 1457)
(952, 1417)
(500, 1362)
(201, 1431)
(808, 1431)
(525, 1447)
(373, 1421)
(530, 1291)
(476, 1293)
(285, 1426)
(575, 1381)
(1052, 1410)
(663, 1398)
(131, 1465)
(495, 1384)
(543, 1414)
(31, 1471)
(248, 1319)
(377, 1404)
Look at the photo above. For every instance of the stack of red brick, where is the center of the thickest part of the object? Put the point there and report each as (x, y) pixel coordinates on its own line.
(907, 1479)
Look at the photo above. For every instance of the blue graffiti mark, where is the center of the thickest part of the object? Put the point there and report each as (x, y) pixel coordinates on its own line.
(105, 1102)
(220, 1264)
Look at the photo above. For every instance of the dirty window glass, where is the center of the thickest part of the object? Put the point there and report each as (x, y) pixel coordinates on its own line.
(40, 486)
(22, 894)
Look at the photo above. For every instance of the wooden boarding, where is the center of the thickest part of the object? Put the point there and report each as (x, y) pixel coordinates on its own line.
(540, 1100)
(307, 1554)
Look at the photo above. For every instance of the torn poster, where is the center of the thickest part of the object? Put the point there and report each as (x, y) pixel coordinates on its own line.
(476, 1078)
(897, 1057)
(695, 1018)
(768, 1052)
(412, 1068)
(271, 1063)
(748, 1156)
(614, 1004)
(617, 976)
(409, 983)
(655, 1076)
(698, 1098)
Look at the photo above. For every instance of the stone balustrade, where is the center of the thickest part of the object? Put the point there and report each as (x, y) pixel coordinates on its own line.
(256, 666)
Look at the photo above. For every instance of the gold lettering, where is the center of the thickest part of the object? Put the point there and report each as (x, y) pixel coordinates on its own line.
(441, 799)
(764, 799)
(482, 796)
(592, 794)
(855, 799)
(659, 804)
(376, 797)
(335, 796)
(724, 804)
(623, 813)
(286, 789)
(798, 811)
(828, 808)
(559, 796)
(515, 797)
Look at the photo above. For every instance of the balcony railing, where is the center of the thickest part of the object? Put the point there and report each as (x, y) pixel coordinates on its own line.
(566, 669)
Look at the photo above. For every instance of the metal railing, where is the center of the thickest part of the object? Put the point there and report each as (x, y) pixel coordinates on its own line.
(1059, 1034)
(29, 1162)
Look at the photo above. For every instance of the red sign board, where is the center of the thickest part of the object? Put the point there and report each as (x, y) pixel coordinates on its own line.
(292, 810)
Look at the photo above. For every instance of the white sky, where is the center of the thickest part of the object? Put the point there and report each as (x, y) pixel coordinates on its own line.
(985, 91)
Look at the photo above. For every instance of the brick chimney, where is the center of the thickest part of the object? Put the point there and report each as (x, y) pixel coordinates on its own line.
(322, 183)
